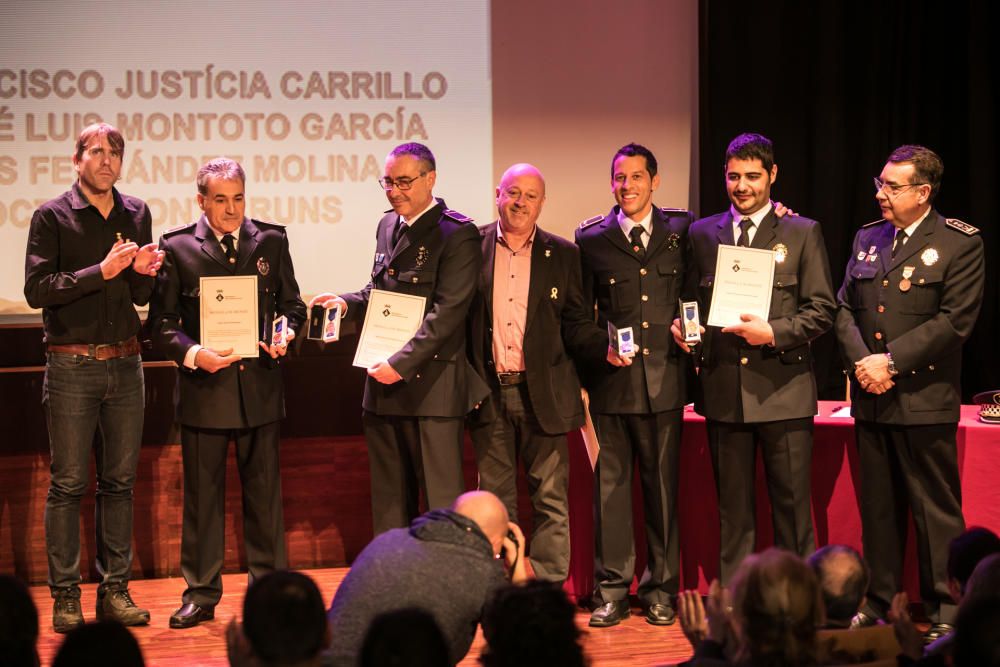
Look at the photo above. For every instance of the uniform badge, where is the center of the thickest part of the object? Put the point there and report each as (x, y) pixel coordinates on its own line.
(905, 284)
(871, 251)
(780, 252)
(861, 255)
(929, 257)
(673, 241)
(263, 267)
(422, 256)
(554, 294)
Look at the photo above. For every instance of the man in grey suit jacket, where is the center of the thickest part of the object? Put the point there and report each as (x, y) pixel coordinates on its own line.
(527, 319)
(221, 396)
(756, 385)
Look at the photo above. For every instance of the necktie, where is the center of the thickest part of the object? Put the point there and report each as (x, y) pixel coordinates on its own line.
(898, 242)
(230, 243)
(636, 237)
(399, 231)
(744, 240)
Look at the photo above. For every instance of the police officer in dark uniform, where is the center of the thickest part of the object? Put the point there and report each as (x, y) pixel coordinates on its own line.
(633, 268)
(416, 400)
(910, 298)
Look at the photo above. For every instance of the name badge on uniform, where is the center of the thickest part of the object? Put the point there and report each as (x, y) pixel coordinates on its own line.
(905, 284)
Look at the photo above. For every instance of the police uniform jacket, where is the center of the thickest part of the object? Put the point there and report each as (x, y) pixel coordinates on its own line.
(249, 392)
(641, 293)
(922, 319)
(438, 258)
(558, 325)
(742, 383)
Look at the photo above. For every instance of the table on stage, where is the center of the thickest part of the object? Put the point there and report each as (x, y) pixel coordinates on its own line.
(835, 479)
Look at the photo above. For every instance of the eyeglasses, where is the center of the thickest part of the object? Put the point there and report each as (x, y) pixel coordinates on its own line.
(401, 183)
(893, 190)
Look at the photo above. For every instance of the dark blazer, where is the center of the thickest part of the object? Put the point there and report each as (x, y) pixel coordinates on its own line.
(250, 392)
(558, 325)
(439, 259)
(641, 294)
(770, 383)
(922, 327)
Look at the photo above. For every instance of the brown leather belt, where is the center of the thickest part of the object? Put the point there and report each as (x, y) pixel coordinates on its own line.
(511, 379)
(103, 352)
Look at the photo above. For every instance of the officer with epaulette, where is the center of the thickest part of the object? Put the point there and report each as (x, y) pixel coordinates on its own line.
(634, 264)
(416, 400)
(756, 386)
(221, 395)
(910, 297)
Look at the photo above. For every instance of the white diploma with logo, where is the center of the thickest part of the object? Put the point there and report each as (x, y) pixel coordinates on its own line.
(391, 321)
(743, 283)
(229, 314)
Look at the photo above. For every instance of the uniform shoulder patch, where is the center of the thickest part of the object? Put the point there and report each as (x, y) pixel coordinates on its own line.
(872, 223)
(455, 215)
(591, 221)
(268, 225)
(178, 228)
(963, 227)
(667, 209)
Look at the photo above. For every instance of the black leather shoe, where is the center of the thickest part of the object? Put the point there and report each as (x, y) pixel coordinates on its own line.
(660, 614)
(610, 613)
(863, 620)
(190, 615)
(937, 631)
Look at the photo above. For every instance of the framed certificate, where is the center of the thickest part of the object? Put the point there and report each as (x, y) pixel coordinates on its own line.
(229, 314)
(391, 321)
(743, 281)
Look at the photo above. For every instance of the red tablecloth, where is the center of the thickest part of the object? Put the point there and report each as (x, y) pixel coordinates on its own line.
(834, 483)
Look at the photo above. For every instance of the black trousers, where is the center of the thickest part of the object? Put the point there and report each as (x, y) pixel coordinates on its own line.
(654, 441)
(515, 433)
(911, 468)
(786, 450)
(407, 455)
(203, 534)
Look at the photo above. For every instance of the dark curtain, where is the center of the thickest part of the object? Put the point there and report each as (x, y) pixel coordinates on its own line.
(837, 85)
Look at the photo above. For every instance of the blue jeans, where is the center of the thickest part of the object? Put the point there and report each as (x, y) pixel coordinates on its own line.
(97, 405)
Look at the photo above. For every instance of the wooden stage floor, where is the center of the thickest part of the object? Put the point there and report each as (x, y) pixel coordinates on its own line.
(633, 642)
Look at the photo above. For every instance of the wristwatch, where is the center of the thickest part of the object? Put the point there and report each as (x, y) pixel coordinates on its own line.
(892, 365)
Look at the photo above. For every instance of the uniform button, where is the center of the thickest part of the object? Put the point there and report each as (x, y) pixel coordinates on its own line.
(881, 308)
(921, 281)
(242, 367)
(878, 335)
(643, 271)
(645, 298)
(645, 351)
(612, 281)
(392, 272)
(744, 361)
(779, 284)
(645, 325)
(418, 376)
(435, 356)
(885, 283)
(414, 279)
(931, 367)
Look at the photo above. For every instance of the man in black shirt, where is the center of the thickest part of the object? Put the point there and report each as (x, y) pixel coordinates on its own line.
(89, 261)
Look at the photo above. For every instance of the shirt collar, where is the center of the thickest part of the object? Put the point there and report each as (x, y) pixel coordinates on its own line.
(756, 218)
(434, 202)
(912, 227)
(527, 244)
(78, 200)
(626, 223)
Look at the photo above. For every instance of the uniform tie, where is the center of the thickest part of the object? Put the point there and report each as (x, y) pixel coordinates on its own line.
(636, 237)
(898, 243)
(744, 240)
(230, 243)
(399, 231)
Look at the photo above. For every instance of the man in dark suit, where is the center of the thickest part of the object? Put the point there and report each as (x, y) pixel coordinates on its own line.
(756, 381)
(528, 316)
(909, 300)
(633, 269)
(221, 396)
(416, 400)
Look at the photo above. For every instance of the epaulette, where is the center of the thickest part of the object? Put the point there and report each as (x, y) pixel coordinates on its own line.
(178, 228)
(873, 222)
(269, 225)
(667, 209)
(591, 221)
(455, 215)
(963, 227)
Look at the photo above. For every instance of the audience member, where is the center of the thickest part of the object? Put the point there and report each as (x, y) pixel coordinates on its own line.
(284, 623)
(18, 624)
(404, 638)
(843, 580)
(770, 618)
(977, 633)
(448, 563)
(531, 625)
(100, 644)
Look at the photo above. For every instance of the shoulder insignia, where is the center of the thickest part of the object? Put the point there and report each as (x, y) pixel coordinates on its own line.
(872, 223)
(963, 227)
(667, 209)
(591, 221)
(178, 228)
(268, 225)
(455, 215)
